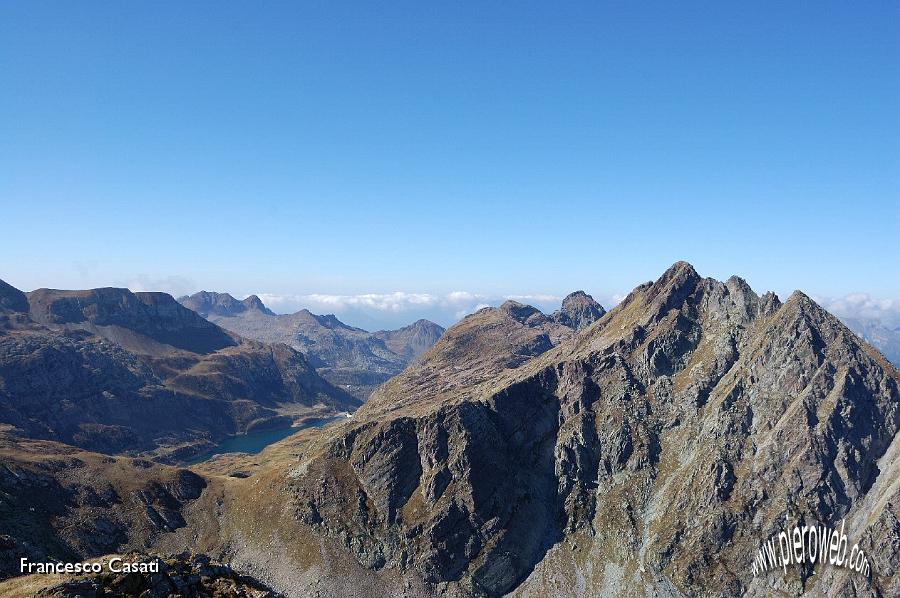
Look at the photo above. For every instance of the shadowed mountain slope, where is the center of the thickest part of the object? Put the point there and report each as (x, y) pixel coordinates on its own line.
(12, 299)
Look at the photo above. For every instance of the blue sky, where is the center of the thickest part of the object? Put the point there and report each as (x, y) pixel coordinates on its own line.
(339, 149)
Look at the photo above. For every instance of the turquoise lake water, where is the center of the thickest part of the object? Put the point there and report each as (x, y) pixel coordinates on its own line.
(254, 442)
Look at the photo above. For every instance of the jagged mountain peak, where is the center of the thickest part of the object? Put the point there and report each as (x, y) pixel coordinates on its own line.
(670, 289)
(803, 301)
(737, 284)
(207, 303)
(254, 302)
(681, 267)
(577, 296)
(423, 323)
(681, 272)
(802, 317)
(578, 311)
(681, 290)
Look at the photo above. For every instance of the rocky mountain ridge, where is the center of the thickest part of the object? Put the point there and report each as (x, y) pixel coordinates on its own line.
(663, 443)
(208, 303)
(479, 346)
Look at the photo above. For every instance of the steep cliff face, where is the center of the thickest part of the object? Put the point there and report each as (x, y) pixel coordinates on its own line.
(155, 317)
(650, 454)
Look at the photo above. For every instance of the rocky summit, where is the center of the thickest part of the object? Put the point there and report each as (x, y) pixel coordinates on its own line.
(578, 311)
(209, 304)
(351, 358)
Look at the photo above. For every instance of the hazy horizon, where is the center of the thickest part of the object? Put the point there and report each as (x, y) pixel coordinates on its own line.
(374, 311)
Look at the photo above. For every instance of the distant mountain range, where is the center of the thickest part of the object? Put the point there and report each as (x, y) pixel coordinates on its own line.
(115, 371)
(354, 359)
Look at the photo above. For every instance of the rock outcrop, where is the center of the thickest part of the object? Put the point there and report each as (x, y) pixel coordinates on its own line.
(63, 504)
(188, 575)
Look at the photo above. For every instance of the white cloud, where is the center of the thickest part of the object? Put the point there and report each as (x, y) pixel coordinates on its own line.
(462, 297)
(864, 306)
(397, 301)
(538, 298)
(374, 310)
